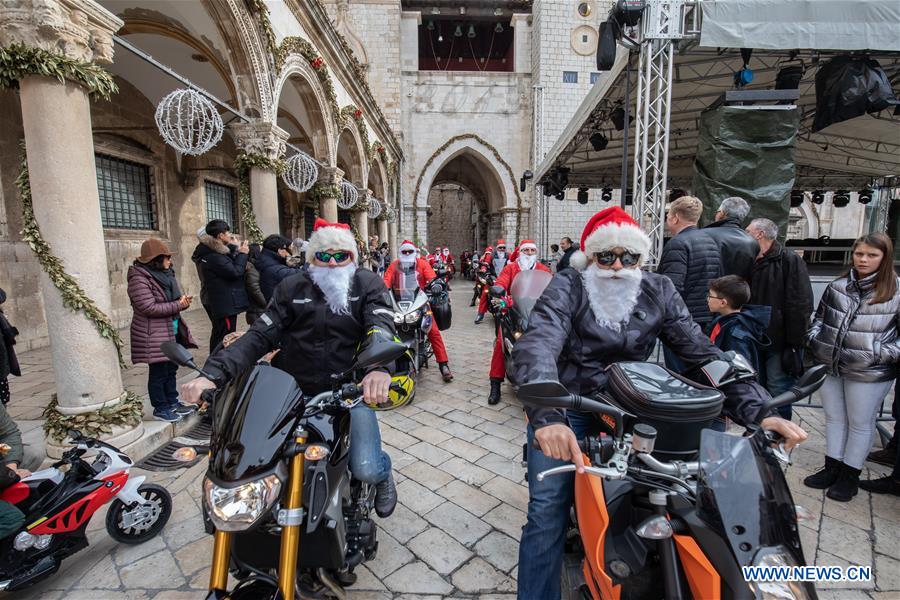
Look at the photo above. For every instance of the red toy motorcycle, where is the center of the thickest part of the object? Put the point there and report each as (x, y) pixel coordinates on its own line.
(59, 502)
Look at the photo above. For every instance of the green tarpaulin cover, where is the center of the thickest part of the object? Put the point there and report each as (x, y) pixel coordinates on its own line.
(747, 152)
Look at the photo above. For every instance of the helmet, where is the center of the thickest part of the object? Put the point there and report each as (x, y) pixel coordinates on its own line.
(403, 388)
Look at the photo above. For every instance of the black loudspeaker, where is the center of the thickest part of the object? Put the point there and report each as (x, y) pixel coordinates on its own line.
(606, 47)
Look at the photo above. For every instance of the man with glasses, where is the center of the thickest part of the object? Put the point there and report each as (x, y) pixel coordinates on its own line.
(584, 322)
(405, 265)
(496, 260)
(525, 261)
(319, 318)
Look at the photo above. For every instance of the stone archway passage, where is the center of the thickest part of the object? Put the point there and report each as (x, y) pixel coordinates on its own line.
(480, 147)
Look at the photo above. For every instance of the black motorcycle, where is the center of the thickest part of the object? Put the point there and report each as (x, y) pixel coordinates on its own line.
(287, 514)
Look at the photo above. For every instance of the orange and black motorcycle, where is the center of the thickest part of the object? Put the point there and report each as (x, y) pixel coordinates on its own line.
(668, 508)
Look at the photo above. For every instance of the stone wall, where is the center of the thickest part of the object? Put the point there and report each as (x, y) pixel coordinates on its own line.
(450, 219)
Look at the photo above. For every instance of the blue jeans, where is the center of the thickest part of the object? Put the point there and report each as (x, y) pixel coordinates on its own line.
(368, 462)
(161, 385)
(543, 537)
(774, 379)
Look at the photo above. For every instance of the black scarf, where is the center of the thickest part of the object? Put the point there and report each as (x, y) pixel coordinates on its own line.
(165, 278)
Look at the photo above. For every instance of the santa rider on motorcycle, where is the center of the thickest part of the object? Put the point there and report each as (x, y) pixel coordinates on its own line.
(408, 262)
(496, 261)
(318, 318)
(525, 261)
(585, 321)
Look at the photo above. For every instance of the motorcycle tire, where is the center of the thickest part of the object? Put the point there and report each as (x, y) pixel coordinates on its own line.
(134, 535)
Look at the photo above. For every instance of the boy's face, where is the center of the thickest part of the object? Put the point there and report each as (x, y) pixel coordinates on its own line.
(716, 303)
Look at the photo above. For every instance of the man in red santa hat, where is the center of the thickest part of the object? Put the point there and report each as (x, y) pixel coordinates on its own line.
(480, 267)
(525, 260)
(584, 322)
(408, 262)
(496, 260)
(319, 318)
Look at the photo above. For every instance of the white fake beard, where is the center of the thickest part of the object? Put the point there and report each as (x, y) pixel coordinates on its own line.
(612, 294)
(501, 254)
(335, 284)
(407, 260)
(526, 261)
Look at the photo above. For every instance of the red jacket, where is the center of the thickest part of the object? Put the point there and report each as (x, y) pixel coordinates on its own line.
(424, 272)
(509, 272)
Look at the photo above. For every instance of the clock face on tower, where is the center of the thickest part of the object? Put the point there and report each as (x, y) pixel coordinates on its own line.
(585, 9)
(584, 40)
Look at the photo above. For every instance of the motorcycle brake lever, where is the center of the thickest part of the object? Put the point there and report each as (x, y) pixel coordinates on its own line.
(783, 456)
(606, 473)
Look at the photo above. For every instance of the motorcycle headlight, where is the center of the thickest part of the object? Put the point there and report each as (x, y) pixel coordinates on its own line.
(398, 318)
(413, 317)
(237, 508)
(517, 335)
(777, 590)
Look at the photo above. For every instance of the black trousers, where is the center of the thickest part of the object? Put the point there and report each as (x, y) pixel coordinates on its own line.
(221, 327)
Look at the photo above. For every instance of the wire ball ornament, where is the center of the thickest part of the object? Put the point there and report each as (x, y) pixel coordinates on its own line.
(301, 173)
(374, 207)
(390, 215)
(349, 195)
(189, 122)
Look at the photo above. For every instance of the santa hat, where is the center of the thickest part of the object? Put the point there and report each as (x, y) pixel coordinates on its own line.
(333, 236)
(407, 245)
(528, 244)
(610, 228)
(514, 256)
(501, 242)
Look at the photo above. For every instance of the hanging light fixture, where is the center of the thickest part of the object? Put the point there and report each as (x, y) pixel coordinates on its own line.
(458, 32)
(818, 197)
(841, 198)
(430, 26)
(498, 28)
(796, 198)
(865, 195)
(471, 31)
(440, 34)
(582, 195)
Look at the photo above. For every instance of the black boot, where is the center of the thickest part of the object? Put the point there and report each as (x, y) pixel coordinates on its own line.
(479, 318)
(883, 485)
(472, 303)
(494, 396)
(445, 372)
(887, 456)
(826, 477)
(846, 486)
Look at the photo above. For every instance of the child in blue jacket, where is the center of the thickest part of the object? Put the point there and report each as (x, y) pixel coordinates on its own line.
(739, 326)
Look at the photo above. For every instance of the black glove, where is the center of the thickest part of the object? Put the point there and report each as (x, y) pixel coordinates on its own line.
(792, 361)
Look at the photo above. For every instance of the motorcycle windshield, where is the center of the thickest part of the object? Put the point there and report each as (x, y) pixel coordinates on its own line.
(253, 417)
(527, 287)
(742, 493)
(405, 285)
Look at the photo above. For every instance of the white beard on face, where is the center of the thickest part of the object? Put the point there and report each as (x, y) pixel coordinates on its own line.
(335, 284)
(526, 261)
(612, 294)
(407, 260)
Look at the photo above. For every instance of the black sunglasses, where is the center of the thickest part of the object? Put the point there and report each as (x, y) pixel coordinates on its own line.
(339, 256)
(608, 258)
(407, 252)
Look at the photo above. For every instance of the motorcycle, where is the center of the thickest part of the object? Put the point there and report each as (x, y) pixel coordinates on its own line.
(484, 279)
(525, 290)
(287, 516)
(58, 503)
(671, 509)
(413, 318)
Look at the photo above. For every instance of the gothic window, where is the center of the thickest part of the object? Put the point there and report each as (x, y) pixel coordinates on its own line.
(127, 195)
(309, 219)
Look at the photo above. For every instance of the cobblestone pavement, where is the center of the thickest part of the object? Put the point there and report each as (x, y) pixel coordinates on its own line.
(463, 502)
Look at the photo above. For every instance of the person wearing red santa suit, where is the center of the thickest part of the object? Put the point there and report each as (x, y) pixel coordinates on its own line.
(523, 259)
(496, 260)
(406, 263)
(479, 266)
(448, 259)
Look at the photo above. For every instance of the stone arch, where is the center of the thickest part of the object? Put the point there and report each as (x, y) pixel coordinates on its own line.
(251, 50)
(356, 154)
(378, 169)
(487, 156)
(298, 68)
(808, 221)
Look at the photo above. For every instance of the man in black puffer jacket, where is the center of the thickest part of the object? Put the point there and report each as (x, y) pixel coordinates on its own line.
(691, 259)
(272, 263)
(738, 249)
(221, 265)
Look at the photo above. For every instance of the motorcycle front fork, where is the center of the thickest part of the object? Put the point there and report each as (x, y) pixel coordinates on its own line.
(290, 518)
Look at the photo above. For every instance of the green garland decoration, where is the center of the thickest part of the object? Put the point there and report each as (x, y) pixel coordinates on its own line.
(494, 151)
(323, 191)
(298, 45)
(351, 115)
(74, 298)
(18, 61)
(127, 412)
(242, 165)
(361, 245)
(259, 9)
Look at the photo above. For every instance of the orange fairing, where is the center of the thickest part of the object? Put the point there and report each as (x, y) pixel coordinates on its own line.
(701, 575)
(593, 521)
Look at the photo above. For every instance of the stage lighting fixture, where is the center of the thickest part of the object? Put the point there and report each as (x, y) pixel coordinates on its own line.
(617, 116)
(628, 12)
(598, 141)
(866, 195)
(841, 198)
(606, 194)
(561, 195)
(788, 78)
(559, 178)
(796, 198)
(471, 31)
(629, 198)
(458, 32)
(430, 26)
(582, 195)
(818, 197)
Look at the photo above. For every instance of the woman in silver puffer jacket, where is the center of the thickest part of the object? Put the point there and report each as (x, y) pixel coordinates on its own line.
(855, 333)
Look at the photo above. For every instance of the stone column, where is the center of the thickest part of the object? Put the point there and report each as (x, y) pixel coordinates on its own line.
(328, 209)
(361, 223)
(383, 235)
(56, 119)
(269, 140)
(392, 239)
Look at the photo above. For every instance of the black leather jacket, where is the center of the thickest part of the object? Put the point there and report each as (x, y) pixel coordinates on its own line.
(564, 342)
(314, 342)
(738, 249)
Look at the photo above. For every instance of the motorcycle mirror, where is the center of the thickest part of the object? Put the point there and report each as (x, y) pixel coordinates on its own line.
(809, 382)
(380, 354)
(548, 394)
(178, 354)
(813, 377)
